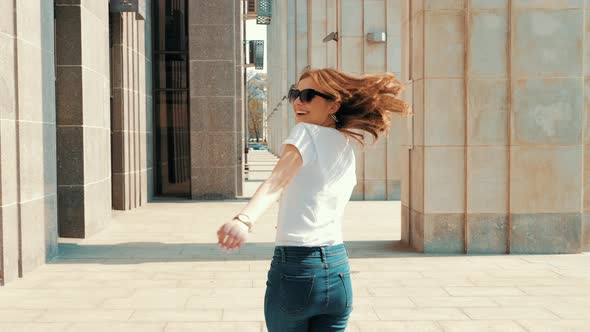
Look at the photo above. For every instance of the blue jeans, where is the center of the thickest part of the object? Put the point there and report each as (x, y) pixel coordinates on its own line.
(308, 289)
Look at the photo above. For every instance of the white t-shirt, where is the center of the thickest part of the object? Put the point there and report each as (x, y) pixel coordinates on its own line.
(312, 205)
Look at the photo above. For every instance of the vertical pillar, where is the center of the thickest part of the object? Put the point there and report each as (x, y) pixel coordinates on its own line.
(497, 161)
(213, 99)
(83, 118)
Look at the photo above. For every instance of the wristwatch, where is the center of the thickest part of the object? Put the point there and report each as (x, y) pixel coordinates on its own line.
(246, 220)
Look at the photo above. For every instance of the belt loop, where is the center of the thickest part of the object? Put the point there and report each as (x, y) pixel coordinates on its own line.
(323, 254)
(282, 250)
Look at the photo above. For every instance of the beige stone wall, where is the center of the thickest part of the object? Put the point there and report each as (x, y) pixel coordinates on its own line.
(496, 163)
(83, 117)
(28, 192)
(295, 40)
(132, 107)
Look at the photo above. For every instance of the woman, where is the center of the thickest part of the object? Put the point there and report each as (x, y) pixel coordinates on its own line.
(309, 286)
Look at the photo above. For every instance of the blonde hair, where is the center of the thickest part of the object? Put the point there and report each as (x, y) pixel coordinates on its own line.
(366, 102)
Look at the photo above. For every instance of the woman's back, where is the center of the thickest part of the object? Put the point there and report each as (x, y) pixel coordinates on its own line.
(311, 207)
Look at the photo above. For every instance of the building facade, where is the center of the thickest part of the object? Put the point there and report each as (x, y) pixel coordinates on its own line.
(104, 106)
(496, 156)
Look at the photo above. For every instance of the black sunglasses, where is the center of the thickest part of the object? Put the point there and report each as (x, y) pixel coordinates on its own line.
(306, 95)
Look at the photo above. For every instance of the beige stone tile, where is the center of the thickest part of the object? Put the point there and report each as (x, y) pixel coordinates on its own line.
(93, 315)
(448, 275)
(577, 300)
(201, 315)
(383, 301)
(75, 293)
(137, 283)
(407, 291)
(242, 292)
(486, 179)
(109, 275)
(383, 326)
(509, 313)
(444, 115)
(452, 302)
(545, 179)
(569, 311)
(243, 315)
(524, 281)
(209, 283)
(155, 298)
(484, 291)
(363, 312)
(383, 275)
(483, 326)
(558, 291)
(433, 282)
(33, 302)
(221, 327)
(37, 327)
(429, 314)
(239, 275)
(555, 325)
(117, 327)
(19, 315)
(444, 43)
(525, 301)
(224, 302)
(444, 179)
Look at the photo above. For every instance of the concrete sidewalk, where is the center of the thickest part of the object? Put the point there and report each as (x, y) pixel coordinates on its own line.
(158, 269)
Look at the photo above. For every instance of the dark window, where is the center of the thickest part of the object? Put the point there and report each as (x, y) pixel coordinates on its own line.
(171, 104)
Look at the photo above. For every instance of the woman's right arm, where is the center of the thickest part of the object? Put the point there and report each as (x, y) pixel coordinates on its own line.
(233, 234)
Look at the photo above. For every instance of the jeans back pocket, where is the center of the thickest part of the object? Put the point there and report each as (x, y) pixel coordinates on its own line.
(347, 284)
(295, 292)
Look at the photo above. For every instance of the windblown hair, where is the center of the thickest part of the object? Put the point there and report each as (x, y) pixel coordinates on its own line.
(366, 102)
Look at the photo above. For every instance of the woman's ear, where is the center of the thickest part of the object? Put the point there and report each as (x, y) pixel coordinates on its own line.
(335, 107)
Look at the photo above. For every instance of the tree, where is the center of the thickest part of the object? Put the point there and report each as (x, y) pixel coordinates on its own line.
(257, 87)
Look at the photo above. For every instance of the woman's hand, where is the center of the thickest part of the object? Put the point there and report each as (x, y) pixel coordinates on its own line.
(232, 235)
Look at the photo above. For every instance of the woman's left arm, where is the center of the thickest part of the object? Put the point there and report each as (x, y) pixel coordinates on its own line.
(232, 235)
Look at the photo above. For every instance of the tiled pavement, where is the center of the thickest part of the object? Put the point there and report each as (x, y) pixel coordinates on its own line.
(158, 269)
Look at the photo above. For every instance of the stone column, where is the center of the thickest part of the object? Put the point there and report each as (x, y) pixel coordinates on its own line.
(28, 192)
(132, 107)
(213, 99)
(496, 164)
(83, 117)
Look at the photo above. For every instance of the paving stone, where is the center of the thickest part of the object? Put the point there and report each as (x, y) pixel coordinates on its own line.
(555, 325)
(431, 314)
(482, 326)
(93, 315)
(217, 327)
(19, 315)
(37, 327)
(202, 315)
(382, 326)
(509, 313)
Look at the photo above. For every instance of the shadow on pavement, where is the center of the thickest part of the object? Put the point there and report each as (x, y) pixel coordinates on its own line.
(144, 252)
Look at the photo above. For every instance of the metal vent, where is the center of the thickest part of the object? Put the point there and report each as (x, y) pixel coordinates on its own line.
(264, 12)
(257, 53)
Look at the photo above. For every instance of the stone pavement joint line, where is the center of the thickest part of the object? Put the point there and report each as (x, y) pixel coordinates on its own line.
(158, 269)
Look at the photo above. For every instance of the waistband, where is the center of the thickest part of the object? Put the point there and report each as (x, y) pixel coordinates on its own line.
(323, 252)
